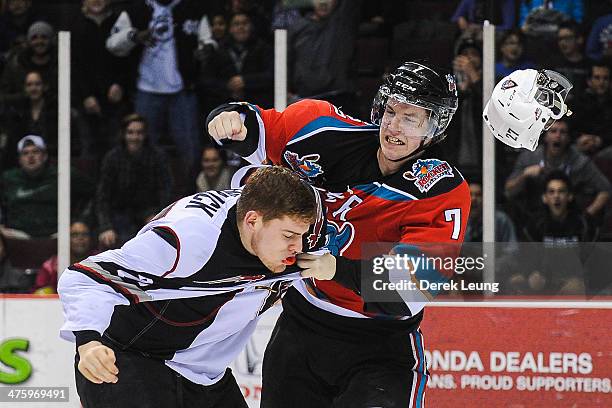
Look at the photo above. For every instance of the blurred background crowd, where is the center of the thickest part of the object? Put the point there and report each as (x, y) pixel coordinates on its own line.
(145, 73)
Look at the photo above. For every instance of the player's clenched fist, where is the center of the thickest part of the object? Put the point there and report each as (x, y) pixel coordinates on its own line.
(227, 125)
(321, 267)
(97, 363)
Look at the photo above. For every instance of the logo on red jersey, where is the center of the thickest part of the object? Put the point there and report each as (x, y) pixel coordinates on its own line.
(426, 173)
(306, 166)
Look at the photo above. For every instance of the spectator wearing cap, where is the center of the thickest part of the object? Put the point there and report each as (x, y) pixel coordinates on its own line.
(242, 68)
(135, 184)
(39, 55)
(100, 78)
(524, 185)
(29, 192)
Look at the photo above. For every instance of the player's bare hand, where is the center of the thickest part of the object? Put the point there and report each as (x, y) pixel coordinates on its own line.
(97, 363)
(321, 267)
(227, 125)
(533, 170)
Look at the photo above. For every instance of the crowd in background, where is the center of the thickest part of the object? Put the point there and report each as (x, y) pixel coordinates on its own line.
(145, 73)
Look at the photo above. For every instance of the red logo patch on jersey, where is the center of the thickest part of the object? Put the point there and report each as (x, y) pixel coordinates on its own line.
(306, 166)
(426, 173)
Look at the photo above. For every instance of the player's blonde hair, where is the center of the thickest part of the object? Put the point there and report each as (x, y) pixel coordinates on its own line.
(275, 192)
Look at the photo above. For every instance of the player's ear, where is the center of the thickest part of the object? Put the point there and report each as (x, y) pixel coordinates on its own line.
(251, 218)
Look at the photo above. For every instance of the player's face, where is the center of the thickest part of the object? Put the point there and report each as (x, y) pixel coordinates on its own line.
(276, 240)
(402, 129)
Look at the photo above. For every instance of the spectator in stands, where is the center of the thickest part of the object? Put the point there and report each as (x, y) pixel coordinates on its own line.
(240, 69)
(560, 227)
(12, 280)
(592, 109)
(100, 78)
(215, 175)
(504, 227)
(80, 248)
(571, 61)
(523, 187)
(511, 54)
(34, 112)
(284, 15)
(318, 66)
(14, 24)
(599, 43)
(467, 67)
(29, 192)
(135, 184)
(219, 28)
(39, 55)
(470, 15)
(572, 9)
(163, 35)
(260, 18)
(588, 142)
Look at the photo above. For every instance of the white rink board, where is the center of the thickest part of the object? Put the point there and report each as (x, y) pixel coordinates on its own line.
(38, 320)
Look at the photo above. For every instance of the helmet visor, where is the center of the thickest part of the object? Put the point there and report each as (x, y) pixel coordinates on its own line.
(409, 119)
(551, 89)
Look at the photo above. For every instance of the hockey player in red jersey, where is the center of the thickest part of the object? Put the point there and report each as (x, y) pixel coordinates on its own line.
(384, 183)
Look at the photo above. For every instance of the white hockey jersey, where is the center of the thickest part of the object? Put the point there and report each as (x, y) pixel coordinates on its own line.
(183, 290)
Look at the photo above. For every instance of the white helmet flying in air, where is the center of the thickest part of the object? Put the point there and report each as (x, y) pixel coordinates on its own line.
(524, 104)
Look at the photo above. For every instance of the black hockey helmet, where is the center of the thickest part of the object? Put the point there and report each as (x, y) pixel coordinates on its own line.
(421, 86)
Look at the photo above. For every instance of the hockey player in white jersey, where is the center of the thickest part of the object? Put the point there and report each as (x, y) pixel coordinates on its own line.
(158, 321)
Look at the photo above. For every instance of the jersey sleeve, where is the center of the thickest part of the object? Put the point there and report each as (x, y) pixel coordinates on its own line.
(432, 231)
(269, 131)
(146, 268)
